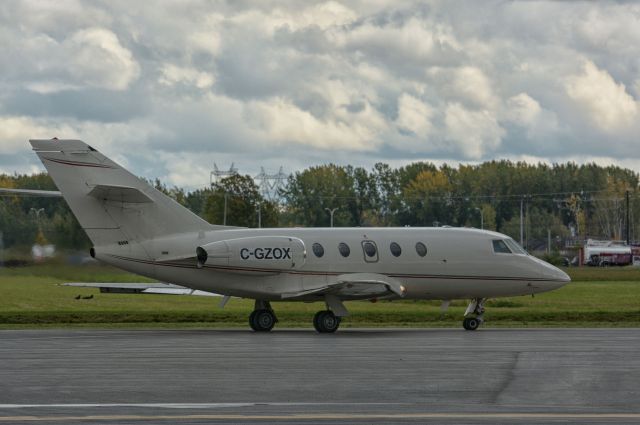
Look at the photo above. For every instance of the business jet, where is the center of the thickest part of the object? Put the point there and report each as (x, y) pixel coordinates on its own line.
(135, 227)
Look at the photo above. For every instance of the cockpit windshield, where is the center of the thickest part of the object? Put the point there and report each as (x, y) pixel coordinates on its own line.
(507, 246)
(500, 247)
(515, 247)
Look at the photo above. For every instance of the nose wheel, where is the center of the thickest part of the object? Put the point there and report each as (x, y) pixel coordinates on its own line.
(470, 323)
(474, 315)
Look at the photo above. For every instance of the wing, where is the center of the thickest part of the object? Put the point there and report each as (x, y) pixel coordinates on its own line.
(356, 286)
(142, 288)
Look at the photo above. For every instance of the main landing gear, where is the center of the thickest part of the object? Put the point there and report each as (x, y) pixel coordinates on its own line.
(262, 319)
(326, 321)
(473, 316)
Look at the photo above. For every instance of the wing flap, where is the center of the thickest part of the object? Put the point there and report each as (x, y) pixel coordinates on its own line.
(356, 286)
(357, 280)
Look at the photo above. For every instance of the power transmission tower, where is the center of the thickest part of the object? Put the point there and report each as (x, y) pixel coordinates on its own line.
(270, 184)
(217, 174)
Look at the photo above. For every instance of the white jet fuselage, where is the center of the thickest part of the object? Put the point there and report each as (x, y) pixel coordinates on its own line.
(459, 262)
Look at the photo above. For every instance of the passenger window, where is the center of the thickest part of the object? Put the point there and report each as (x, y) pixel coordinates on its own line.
(395, 249)
(500, 247)
(344, 249)
(421, 249)
(370, 251)
(318, 250)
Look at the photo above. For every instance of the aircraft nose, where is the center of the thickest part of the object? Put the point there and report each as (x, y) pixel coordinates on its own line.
(561, 276)
(558, 277)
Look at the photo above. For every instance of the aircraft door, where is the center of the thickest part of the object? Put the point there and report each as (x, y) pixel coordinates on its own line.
(370, 251)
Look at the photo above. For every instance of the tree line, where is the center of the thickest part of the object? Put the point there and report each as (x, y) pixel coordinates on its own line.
(563, 200)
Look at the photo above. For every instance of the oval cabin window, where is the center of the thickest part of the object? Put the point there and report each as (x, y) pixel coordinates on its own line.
(395, 249)
(318, 250)
(421, 249)
(344, 249)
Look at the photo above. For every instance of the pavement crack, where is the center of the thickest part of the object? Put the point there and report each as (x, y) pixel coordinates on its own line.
(510, 376)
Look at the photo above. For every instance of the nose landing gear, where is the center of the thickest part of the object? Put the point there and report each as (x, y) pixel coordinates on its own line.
(473, 316)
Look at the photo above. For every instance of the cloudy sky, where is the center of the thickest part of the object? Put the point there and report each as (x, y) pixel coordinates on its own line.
(169, 87)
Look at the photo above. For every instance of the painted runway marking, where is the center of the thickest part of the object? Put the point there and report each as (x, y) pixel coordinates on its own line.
(329, 416)
(183, 405)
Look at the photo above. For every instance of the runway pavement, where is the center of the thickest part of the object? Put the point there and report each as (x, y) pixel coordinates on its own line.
(298, 376)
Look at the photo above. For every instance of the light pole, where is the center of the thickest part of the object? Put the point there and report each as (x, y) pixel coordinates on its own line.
(259, 210)
(522, 221)
(224, 216)
(37, 212)
(331, 212)
(481, 218)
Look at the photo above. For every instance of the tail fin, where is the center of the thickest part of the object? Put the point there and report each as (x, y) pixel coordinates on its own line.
(111, 204)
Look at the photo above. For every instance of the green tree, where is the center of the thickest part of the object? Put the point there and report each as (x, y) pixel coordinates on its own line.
(428, 197)
(244, 204)
(311, 192)
(388, 195)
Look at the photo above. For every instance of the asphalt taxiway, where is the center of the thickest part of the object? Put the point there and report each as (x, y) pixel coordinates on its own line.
(298, 376)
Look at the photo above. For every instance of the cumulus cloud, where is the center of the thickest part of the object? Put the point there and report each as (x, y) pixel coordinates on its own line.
(414, 116)
(473, 133)
(305, 82)
(172, 74)
(14, 132)
(471, 84)
(605, 102)
(89, 58)
(285, 123)
(97, 58)
(522, 109)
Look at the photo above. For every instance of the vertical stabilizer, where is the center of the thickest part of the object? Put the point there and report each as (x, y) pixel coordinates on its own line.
(111, 204)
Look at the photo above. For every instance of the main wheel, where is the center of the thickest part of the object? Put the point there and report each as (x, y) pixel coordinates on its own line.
(326, 322)
(316, 317)
(470, 323)
(262, 320)
(252, 317)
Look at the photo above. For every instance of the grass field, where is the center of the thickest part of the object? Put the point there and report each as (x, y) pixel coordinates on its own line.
(30, 297)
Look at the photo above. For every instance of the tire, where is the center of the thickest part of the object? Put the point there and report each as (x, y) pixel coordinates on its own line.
(262, 320)
(316, 317)
(470, 323)
(252, 323)
(326, 322)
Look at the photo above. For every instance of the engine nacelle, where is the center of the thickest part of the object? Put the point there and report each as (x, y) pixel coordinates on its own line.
(263, 252)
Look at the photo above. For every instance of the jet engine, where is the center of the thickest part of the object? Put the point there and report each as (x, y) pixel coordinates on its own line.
(263, 252)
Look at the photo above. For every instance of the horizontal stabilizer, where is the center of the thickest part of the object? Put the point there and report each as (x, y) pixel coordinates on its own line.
(119, 194)
(30, 192)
